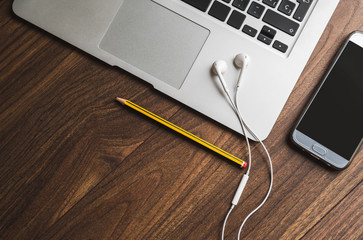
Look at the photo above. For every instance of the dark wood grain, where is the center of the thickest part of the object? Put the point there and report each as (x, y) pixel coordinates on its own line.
(77, 165)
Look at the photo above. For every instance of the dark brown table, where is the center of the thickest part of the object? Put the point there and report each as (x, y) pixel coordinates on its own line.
(74, 164)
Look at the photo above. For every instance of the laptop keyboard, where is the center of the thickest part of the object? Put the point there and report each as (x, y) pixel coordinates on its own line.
(286, 16)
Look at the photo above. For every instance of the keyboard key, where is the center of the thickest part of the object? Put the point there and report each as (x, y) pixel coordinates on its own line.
(266, 35)
(278, 21)
(202, 5)
(226, 1)
(256, 10)
(240, 4)
(271, 3)
(302, 9)
(280, 46)
(287, 7)
(249, 30)
(236, 19)
(264, 39)
(219, 11)
(268, 32)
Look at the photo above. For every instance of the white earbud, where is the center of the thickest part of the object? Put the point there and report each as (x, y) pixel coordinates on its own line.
(219, 68)
(241, 61)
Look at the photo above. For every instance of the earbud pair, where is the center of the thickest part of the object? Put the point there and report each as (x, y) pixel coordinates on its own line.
(220, 67)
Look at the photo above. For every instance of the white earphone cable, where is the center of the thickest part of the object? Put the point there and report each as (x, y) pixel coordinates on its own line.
(243, 126)
(269, 161)
(225, 220)
(236, 109)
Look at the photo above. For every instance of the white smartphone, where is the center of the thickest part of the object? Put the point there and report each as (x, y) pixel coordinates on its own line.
(331, 127)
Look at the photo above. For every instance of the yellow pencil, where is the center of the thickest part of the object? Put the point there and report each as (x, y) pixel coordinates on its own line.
(182, 131)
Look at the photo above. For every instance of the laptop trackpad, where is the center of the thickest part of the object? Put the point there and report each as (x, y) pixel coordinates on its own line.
(155, 40)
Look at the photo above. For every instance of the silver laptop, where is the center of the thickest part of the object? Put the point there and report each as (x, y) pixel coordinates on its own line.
(172, 44)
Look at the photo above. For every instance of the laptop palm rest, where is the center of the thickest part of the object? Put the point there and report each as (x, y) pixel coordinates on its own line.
(154, 40)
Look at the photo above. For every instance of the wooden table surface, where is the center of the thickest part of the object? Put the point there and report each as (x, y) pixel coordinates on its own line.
(74, 164)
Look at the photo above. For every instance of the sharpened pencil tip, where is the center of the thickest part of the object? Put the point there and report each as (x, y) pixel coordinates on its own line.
(121, 100)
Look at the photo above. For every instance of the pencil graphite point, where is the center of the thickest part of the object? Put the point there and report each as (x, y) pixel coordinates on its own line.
(121, 100)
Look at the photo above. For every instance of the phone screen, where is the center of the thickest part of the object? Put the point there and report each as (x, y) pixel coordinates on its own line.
(335, 117)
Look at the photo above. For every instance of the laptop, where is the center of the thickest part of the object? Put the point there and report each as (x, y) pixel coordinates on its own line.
(172, 45)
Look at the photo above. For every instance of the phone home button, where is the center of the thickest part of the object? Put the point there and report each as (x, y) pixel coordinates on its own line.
(319, 150)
